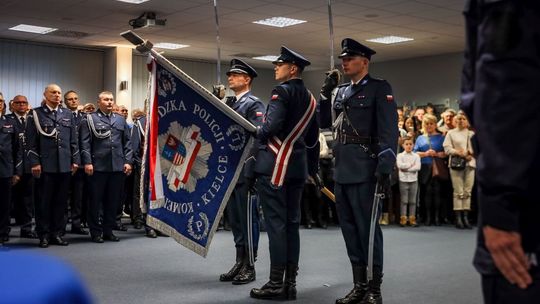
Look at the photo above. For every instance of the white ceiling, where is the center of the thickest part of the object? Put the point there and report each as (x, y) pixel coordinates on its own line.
(436, 25)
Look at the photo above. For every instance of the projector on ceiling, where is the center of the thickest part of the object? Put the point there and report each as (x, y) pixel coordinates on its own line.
(147, 19)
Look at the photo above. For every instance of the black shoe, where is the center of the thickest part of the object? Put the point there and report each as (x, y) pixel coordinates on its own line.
(159, 233)
(151, 233)
(360, 287)
(308, 226)
(246, 275)
(43, 242)
(137, 225)
(273, 289)
(235, 269)
(28, 234)
(120, 227)
(58, 240)
(111, 237)
(79, 230)
(4, 239)
(97, 239)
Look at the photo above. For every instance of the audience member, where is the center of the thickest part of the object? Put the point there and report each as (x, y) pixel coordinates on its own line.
(429, 147)
(409, 164)
(458, 145)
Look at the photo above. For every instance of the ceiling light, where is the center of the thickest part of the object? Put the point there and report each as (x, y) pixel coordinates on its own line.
(279, 21)
(169, 46)
(133, 1)
(32, 29)
(390, 39)
(266, 57)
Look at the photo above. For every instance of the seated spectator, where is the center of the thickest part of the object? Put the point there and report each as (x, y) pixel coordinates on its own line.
(457, 144)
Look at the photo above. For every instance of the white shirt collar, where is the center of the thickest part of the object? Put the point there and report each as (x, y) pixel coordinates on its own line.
(239, 96)
(51, 109)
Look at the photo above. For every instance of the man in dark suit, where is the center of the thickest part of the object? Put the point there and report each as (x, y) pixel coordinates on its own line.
(10, 167)
(23, 192)
(281, 168)
(365, 153)
(54, 156)
(240, 77)
(107, 157)
(500, 95)
(71, 100)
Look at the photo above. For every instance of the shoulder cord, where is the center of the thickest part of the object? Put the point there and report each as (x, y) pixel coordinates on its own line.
(53, 133)
(93, 128)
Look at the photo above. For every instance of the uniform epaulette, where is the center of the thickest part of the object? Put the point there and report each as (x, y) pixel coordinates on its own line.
(378, 79)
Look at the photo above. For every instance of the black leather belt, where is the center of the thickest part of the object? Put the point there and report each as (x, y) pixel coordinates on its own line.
(352, 139)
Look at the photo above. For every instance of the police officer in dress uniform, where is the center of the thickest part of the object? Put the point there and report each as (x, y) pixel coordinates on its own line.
(282, 166)
(240, 76)
(500, 95)
(365, 153)
(138, 212)
(23, 191)
(107, 157)
(11, 167)
(54, 156)
(71, 100)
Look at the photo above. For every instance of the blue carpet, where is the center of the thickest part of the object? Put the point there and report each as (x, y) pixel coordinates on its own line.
(422, 265)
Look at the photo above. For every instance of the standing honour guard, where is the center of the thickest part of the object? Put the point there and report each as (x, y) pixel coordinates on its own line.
(365, 153)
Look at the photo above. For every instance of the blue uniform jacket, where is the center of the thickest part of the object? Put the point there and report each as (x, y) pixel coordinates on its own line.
(252, 109)
(371, 113)
(107, 152)
(287, 105)
(500, 96)
(10, 152)
(54, 153)
(21, 131)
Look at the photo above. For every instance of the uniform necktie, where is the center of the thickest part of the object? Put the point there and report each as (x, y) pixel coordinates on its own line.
(22, 121)
(54, 114)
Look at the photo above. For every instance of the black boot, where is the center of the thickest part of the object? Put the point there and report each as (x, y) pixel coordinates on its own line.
(373, 295)
(273, 289)
(466, 223)
(290, 281)
(360, 287)
(459, 222)
(246, 274)
(229, 276)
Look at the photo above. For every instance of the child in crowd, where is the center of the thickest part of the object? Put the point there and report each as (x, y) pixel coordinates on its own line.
(408, 164)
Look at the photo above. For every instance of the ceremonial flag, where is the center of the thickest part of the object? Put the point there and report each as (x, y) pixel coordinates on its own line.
(194, 154)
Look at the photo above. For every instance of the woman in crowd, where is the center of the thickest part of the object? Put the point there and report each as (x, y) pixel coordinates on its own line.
(457, 144)
(429, 147)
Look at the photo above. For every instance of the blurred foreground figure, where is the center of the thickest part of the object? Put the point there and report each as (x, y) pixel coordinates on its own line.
(500, 94)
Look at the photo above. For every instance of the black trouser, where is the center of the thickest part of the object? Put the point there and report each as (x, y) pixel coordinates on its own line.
(282, 217)
(76, 198)
(127, 197)
(237, 209)
(432, 198)
(354, 203)
(5, 204)
(105, 188)
(136, 213)
(312, 205)
(497, 290)
(52, 204)
(23, 201)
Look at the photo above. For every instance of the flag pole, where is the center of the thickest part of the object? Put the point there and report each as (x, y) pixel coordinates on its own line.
(331, 31)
